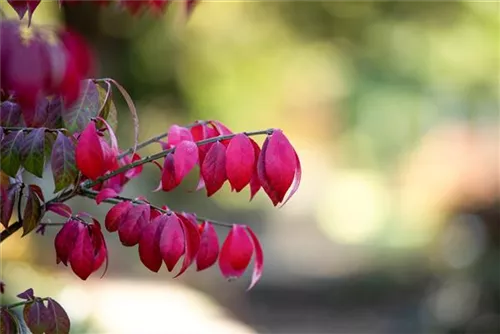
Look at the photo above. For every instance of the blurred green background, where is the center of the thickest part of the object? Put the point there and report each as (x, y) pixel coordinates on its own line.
(393, 108)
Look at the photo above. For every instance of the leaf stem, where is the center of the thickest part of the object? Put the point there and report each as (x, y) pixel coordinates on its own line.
(24, 302)
(159, 155)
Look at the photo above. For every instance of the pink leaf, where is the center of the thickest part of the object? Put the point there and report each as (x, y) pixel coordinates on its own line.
(81, 257)
(296, 180)
(104, 194)
(185, 158)
(177, 134)
(254, 182)
(60, 208)
(258, 261)
(115, 215)
(209, 247)
(213, 168)
(240, 161)
(172, 241)
(136, 171)
(149, 247)
(261, 172)
(89, 154)
(168, 178)
(192, 242)
(133, 222)
(236, 253)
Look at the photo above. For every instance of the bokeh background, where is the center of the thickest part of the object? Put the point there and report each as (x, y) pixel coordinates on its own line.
(393, 108)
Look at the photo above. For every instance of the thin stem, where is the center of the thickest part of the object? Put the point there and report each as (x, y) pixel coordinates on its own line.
(90, 184)
(24, 302)
(118, 199)
(20, 128)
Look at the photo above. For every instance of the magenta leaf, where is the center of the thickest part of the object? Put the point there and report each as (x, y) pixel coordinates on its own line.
(10, 149)
(168, 175)
(10, 114)
(192, 242)
(100, 248)
(36, 316)
(104, 194)
(60, 323)
(7, 199)
(263, 180)
(258, 260)
(8, 322)
(89, 153)
(254, 181)
(27, 295)
(61, 209)
(177, 134)
(296, 180)
(172, 243)
(132, 224)
(63, 162)
(32, 151)
(149, 247)
(81, 256)
(213, 168)
(185, 158)
(32, 212)
(240, 161)
(209, 247)
(78, 115)
(65, 240)
(115, 216)
(236, 253)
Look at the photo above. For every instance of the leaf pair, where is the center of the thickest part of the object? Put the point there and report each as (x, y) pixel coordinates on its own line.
(81, 245)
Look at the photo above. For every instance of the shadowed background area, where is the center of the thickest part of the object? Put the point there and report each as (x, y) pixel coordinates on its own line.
(393, 108)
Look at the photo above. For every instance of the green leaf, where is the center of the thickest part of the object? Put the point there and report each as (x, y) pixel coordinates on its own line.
(8, 322)
(63, 162)
(33, 151)
(60, 323)
(108, 112)
(32, 212)
(86, 107)
(36, 316)
(10, 152)
(50, 138)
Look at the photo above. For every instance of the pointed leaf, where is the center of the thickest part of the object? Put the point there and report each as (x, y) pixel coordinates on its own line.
(185, 158)
(168, 175)
(78, 115)
(7, 199)
(8, 322)
(115, 215)
(32, 212)
(261, 172)
(27, 295)
(132, 224)
(172, 241)
(258, 260)
(213, 168)
(89, 154)
(61, 209)
(60, 323)
(10, 114)
(81, 256)
(65, 240)
(236, 253)
(33, 151)
(209, 247)
(177, 134)
(54, 110)
(36, 317)
(149, 243)
(35, 188)
(132, 110)
(296, 180)
(254, 181)
(240, 161)
(192, 242)
(104, 194)
(20, 6)
(63, 162)
(10, 149)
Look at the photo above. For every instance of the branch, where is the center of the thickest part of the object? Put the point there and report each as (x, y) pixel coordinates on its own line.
(118, 199)
(101, 179)
(20, 128)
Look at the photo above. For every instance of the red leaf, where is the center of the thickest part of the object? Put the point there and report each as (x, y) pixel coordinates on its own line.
(60, 323)
(100, 248)
(261, 172)
(149, 243)
(185, 158)
(65, 239)
(104, 194)
(296, 180)
(209, 247)
(81, 257)
(221, 128)
(240, 161)
(236, 253)
(280, 164)
(254, 182)
(177, 134)
(20, 6)
(115, 215)
(132, 224)
(192, 242)
(89, 153)
(213, 168)
(258, 261)
(60, 208)
(172, 241)
(168, 178)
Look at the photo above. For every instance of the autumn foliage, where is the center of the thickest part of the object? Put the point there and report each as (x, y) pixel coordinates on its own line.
(53, 113)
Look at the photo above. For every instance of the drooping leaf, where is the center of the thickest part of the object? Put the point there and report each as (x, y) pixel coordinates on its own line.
(213, 168)
(36, 316)
(104, 194)
(263, 179)
(37, 190)
(81, 256)
(54, 110)
(10, 151)
(296, 180)
(100, 248)
(10, 114)
(149, 243)
(254, 181)
(133, 111)
(33, 151)
(78, 115)
(108, 108)
(7, 200)
(32, 212)
(192, 242)
(172, 241)
(29, 294)
(168, 174)
(63, 162)
(115, 215)
(50, 139)
(60, 323)
(20, 6)
(185, 158)
(65, 240)
(209, 247)
(8, 322)
(89, 153)
(132, 224)
(177, 134)
(61, 209)
(258, 260)
(236, 253)
(240, 161)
